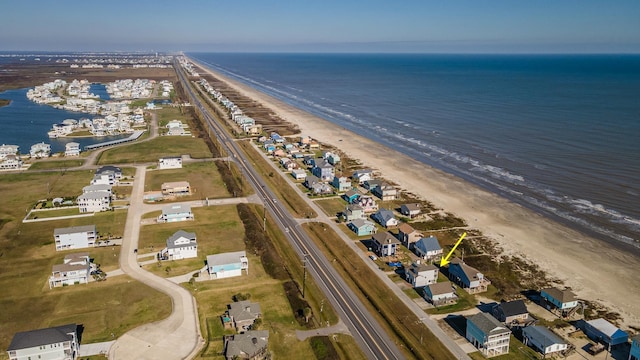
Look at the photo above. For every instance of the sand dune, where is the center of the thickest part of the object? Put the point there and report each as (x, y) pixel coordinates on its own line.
(595, 270)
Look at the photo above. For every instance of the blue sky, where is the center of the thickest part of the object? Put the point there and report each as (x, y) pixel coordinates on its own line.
(509, 26)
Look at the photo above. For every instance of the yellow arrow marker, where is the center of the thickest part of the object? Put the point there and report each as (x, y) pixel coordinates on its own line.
(445, 260)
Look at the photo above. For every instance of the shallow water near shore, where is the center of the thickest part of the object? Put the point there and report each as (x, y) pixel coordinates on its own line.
(557, 134)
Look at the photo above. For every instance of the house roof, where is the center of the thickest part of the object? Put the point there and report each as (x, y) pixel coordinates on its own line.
(358, 223)
(358, 173)
(354, 207)
(105, 168)
(246, 345)
(605, 327)
(487, 323)
(94, 195)
(421, 267)
(52, 335)
(69, 267)
(412, 207)
(563, 296)
(428, 244)
(225, 258)
(406, 228)
(542, 335)
(244, 310)
(441, 288)
(384, 215)
(350, 193)
(97, 187)
(74, 230)
(180, 234)
(511, 308)
(384, 238)
(470, 272)
(176, 209)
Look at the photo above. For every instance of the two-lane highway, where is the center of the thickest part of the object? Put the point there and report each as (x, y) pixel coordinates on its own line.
(367, 332)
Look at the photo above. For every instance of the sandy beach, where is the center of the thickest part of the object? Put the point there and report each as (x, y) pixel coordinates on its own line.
(595, 270)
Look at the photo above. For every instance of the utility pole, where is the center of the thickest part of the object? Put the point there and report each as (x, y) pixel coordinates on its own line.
(264, 218)
(304, 276)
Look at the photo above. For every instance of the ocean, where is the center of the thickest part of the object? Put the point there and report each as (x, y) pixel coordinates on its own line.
(559, 134)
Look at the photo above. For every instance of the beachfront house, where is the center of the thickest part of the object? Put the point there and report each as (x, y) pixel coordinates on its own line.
(8, 150)
(226, 265)
(362, 175)
(332, 158)
(362, 227)
(441, 293)
(176, 188)
(173, 213)
(75, 269)
(242, 315)
(511, 312)
(408, 235)
(323, 170)
(341, 183)
(385, 218)
(94, 201)
(353, 212)
(371, 184)
(428, 248)
(604, 332)
(385, 192)
(58, 342)
(250, 345)
(559, 299)
(487, 334)
(170, 162)
(420, 274)
(384, 244)
(543, 340)
(76, 237)
(634, 353)
(72, 149)
(180, 245)
(467, 277)
(411, 210)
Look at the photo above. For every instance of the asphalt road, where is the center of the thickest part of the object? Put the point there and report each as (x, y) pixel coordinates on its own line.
(367, 332)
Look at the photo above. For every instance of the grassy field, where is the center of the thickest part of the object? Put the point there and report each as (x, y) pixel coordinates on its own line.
(55, 164)
(399, 321)
(332, 206)
(203, 177)
(169, 113)
(152, 150)
(64, 211)
(218, 229)
(277, 183)
(27, 254)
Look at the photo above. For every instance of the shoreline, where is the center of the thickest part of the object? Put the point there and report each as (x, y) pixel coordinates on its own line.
(594, 269)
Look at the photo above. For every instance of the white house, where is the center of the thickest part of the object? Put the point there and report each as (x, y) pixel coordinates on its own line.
(428, 248)
(97, 188)
(76, 237)
(441, 293)
(74, 270)
(420, 274)
(95, 201)
(171, 162)
(299, 174)
(543, 340)
(227, 264)
(181, 245)
(487, 334)
(173, 213)
(72, 149)
(40, 150)
(8, 150)
(109, 175)
(10, 162)
(60, 342)
(176, 188)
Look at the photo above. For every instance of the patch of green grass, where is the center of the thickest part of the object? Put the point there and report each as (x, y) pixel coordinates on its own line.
(64, 211)
(55, 164)
(465, 301)
(332, 206)
(152, 150)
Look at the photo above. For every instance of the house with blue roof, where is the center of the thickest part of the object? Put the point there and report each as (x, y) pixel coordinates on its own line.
(385, 218)
(543, 340)
(428, 248)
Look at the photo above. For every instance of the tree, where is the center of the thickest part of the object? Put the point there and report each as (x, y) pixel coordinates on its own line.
(307, 313)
